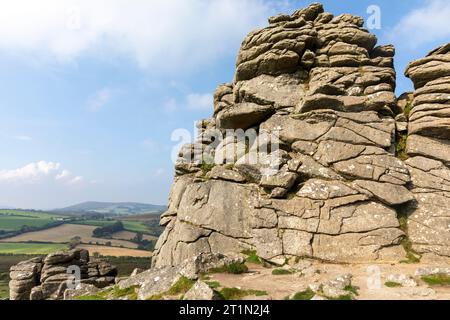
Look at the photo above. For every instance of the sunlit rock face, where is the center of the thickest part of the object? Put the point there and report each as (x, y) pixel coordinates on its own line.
(316, 166)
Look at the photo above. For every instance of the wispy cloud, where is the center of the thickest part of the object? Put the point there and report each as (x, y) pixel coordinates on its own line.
(157, 34)
(37, 172)
(23, 138)
(196, 101)
(426, 24)
(99, 99)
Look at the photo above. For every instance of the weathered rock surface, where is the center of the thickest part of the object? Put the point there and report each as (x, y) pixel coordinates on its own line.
(320, 169)
(201, 291)
(50, 277)
(429, 147)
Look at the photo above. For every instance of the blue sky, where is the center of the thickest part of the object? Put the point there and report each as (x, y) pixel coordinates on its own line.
(91, 91)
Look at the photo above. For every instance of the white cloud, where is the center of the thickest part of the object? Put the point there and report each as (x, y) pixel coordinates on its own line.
(197, 101)
(99, 99)
(63, 175)
(426, 24)
(157, 34)
(76, 180)
(30, 173)
(23, 138)
(38, 172)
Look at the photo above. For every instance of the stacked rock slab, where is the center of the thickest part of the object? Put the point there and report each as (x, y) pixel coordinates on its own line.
(48, 278)
(428, 145)
(319, 84)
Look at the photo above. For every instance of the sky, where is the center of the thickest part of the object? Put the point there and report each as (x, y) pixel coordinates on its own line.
(91, 91)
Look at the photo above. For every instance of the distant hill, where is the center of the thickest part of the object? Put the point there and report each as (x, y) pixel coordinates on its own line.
(6, 208)
(112, 208)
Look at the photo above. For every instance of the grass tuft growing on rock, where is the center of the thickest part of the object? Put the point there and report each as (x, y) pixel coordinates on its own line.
(238, 294)
(281, 272)
(437, 280)
(400, 147)
(113, 294)
(392, 284)
(411, 255)
(213, 284)
(352, 289)
(130, 293)
(182, 286)
(103, 295)
(252, 257)
(308, 294)
(408, 108)
(207, 167)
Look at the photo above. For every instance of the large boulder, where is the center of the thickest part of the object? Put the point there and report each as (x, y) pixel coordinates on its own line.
(49, 277)
(331, 182)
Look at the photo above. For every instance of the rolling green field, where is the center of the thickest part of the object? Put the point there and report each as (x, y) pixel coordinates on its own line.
(30, 248)
(12, 220)
(4, 289)
(133, 226)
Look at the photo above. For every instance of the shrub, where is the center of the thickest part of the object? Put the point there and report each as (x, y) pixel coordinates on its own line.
(392, 284)
(252, 257)
(304, 295)
(233, 268)
(437, 280)
(281, 272)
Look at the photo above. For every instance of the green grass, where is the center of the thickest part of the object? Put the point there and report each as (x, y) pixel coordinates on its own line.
(401, 147)
(411, 255)
(233, 268)
(308, 294)
(15, 220)
(135, 226)
(30, 248)
(238, 294)
(408, 109)
(30, 214)
(207, 167)
(182, 286)
(252, 257)
(213, 284)
(130, 292)
(281, 272)
(114, 293)
(437, 280)
(4, 289)
(352, 289)
(392, 284)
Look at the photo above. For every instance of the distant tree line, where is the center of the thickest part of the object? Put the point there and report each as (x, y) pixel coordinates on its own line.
(107, 232)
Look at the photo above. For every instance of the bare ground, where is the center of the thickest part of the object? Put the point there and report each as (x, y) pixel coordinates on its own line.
(369, 278)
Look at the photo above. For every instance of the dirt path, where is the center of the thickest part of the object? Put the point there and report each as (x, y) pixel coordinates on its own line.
(370, 279)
